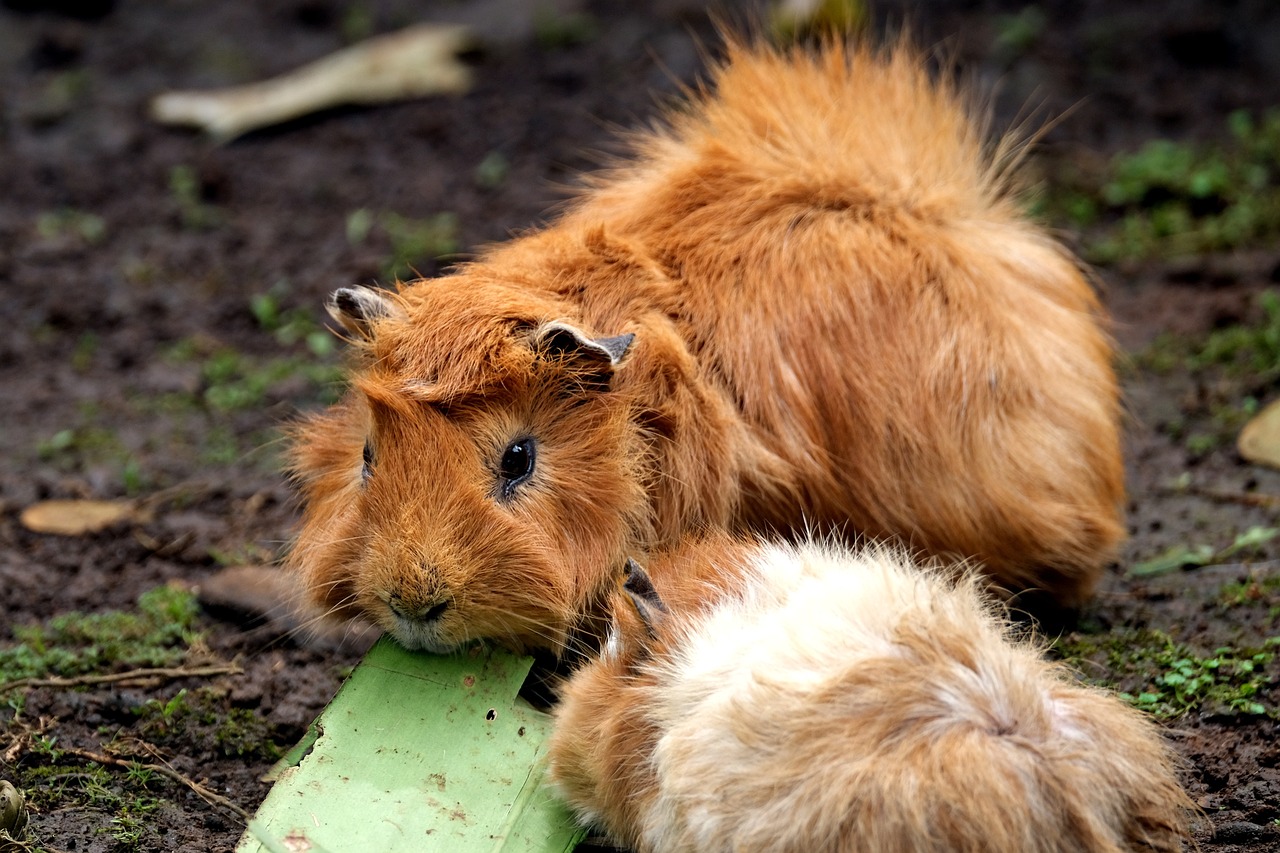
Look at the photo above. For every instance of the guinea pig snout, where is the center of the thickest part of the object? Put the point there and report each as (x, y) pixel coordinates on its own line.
(416, 610)
(418, 594)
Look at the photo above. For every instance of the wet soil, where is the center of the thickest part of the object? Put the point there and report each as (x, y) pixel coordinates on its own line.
(158, 293)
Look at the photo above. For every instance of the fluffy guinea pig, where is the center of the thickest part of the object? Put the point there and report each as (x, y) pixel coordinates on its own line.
(810, 301)
(761, 697)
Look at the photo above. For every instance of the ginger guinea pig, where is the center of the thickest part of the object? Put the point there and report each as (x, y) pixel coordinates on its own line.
(811, 301)
(761, 698)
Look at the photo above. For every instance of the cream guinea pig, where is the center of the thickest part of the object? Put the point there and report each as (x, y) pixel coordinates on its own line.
(764, 698)
(810, 300)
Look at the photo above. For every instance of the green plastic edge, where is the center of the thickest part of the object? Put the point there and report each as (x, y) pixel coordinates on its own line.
(419, 753)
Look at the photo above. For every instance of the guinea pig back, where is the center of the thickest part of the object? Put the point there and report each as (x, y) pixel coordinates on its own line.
(806, 698)
(810, 301)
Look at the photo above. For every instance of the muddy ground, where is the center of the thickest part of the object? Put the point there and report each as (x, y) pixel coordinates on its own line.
(160, 304)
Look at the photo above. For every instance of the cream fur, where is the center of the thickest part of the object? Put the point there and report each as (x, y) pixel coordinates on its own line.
(812, 698)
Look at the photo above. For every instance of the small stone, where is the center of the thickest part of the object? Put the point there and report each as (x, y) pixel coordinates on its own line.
(13, 810)
(1259, 441)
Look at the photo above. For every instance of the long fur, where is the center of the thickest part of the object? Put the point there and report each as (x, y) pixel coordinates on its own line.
(808, 698)
(843, 320)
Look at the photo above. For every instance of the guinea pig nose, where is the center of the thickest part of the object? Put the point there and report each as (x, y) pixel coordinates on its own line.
(417, 612)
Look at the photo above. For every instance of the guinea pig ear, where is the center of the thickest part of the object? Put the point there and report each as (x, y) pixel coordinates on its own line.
(561, 340)
(648, 604)
(359, 308)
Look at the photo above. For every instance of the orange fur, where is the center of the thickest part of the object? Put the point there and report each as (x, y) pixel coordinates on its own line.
(842, 321)
(818, 700)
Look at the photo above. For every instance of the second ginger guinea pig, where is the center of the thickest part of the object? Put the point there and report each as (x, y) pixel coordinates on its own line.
(762, 698)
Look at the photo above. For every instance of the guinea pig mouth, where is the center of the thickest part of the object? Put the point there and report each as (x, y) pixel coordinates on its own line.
(415, 636)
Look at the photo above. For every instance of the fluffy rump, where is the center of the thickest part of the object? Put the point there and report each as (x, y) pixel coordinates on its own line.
(835, 701)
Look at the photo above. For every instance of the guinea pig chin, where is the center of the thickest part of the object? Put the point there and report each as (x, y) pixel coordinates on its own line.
(416, 635)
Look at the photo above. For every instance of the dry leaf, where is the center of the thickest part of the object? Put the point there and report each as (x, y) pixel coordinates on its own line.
(414, 62)
(77, 518)
(1260, 439)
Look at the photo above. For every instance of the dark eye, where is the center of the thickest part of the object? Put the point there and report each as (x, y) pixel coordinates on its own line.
(367, 468)
(517, 465)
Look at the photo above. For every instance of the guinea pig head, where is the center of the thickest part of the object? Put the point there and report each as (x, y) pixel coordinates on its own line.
(480, 479)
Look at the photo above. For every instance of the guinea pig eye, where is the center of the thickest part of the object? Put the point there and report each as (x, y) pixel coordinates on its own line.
(517, 464)
(367, 467)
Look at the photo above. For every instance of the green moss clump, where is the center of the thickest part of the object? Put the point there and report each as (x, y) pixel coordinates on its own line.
(1170, 680)
(1176, 198)
(157, 633)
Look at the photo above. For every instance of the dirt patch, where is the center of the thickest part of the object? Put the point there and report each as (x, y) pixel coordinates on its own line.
(161, 308)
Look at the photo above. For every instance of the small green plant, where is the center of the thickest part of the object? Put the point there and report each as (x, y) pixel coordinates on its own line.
(359, 224)
(157, 633)
(78, 443)
(289, 325)
(1169, 679)
(1184, 556)
(67, 222)
(1255, 348)
(554, 30)
(205, 716)
(195, 212)
(127, 831)
(236, 381)
(164, 716)
(417, 241)
(1176, 198)
(1245, 349)
(1018, 33)
(1228, 679)
(1251, 590)
(491, 171)
(414, 242)
(140, 774)
(244, 733)
(133, 478)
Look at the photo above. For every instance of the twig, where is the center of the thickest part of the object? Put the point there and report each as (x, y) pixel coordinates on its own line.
(201, 791)
(119, 677)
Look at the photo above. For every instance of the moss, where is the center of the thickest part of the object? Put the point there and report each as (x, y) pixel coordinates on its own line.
(188, 195)
(66, 222)
(157, 633)
(205, 718)
(1250, 592)
(1169, 679)
(416, 242)
(1175, 198)
(244, 733)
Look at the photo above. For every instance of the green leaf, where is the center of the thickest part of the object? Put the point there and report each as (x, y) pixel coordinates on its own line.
(1251, 538)
(1177, 557)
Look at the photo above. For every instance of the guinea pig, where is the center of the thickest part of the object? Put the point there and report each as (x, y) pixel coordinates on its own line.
(810, 301)
(784, 698)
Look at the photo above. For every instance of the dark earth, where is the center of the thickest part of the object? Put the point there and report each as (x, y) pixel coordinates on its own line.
(161, 305)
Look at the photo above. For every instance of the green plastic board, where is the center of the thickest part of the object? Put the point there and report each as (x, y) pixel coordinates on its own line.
(419, 753)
